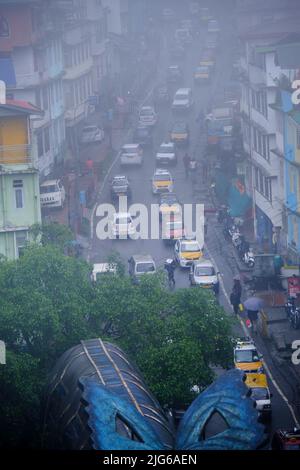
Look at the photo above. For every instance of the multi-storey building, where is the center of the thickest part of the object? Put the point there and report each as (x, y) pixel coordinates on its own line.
(33, 71)
(19, 177)
(263, 129)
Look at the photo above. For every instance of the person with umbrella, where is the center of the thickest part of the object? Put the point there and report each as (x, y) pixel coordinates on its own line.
(253, 305)
(236, 294)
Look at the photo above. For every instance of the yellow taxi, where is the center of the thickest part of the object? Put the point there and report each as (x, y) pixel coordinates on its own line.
(246, 356)
(169, 207)
(162, 182)
(180, 133)
(187, 250)
(260, 393)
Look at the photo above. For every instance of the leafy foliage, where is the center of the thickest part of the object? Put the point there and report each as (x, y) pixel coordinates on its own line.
(48, 304)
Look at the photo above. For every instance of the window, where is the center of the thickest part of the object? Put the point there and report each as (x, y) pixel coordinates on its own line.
(18, 188)
(21, 241)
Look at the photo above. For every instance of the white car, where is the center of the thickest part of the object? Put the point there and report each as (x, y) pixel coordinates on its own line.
(162, 182)
(204, 274)
(139, 265)
(183, 99)
(166, 153)
(52, 194)
(122, 225)
(147, 116)
(187, 251)
(131, 154)
(213, 26)
(91, 134)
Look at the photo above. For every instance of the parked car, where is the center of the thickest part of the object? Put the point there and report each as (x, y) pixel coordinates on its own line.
(166, 154)
(139, 265)
(147, 116)
(52, 194)
(168, 14)
(143, 135)
(213, 26)
(174, 74)
(91, 134)
(183, 100)
(120, 187)
(187, 251)
(204, 274)
(162, 181)
(211, 41)
(205, 15)
(122, 225)
(180, 134)
(131, 154)
(286, 440)
(102, 269)
(208, 59)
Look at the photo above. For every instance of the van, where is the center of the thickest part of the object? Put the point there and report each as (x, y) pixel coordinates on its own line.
(183, 99)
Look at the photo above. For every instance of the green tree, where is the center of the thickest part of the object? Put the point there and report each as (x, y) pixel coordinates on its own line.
(53, 233)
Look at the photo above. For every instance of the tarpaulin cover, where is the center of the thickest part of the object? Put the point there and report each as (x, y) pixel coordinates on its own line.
(7, 71)
(238, 200)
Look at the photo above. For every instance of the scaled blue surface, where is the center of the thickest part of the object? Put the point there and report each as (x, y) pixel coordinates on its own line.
(227, 396)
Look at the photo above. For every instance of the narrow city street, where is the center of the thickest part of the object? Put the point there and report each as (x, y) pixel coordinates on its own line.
(216, 247)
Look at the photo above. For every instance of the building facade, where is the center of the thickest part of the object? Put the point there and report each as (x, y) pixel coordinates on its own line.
(19, 177)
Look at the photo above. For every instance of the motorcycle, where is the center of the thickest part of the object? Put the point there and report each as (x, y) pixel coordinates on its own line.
(237, 239)
(248, 258)
(289, 306)
(229, 230)
(295, 318)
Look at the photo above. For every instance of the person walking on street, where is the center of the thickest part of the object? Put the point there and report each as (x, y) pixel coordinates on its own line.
(193, 166)
(253, 317)
(186, 162)
(235, 296)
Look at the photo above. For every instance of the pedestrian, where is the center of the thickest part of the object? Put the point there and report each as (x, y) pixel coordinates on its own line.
(186, 162)
(193, 166)
(235, 296)
(253, 317)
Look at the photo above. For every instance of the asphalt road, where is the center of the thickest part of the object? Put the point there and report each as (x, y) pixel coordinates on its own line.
(140, 179)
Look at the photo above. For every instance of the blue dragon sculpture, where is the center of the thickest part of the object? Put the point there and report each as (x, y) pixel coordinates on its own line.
(97, 400)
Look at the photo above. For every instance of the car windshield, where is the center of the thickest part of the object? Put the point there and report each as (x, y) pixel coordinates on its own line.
(260, 393)
(163, 177)
(168, 199)
(246, 355)
(166, 149)
(181, 96)
(205, 271)
(190, 247)
(87, 130)
(175, 225)
(146, 112)
(123, 220)
(173, 69)
(145, 267)
(179, 127)
(202, 69)
(120, 182)
(49, 189)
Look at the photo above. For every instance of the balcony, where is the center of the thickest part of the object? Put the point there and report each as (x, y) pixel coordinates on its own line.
(16, 155)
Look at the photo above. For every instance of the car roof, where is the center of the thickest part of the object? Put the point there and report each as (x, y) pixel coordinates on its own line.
(167, 144)
(120, 177)
(161, 171)
(256, 380)
(130, 146)
(147, 107)
(204, 262)
(142, 258)
(183, 90)
(188, 240)
(91, 126)
(50, 182)
(173, 67)
(121, 214)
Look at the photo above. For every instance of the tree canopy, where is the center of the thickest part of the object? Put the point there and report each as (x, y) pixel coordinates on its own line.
(49, 303)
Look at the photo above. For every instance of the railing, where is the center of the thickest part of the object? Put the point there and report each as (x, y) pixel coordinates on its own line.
(16, 155)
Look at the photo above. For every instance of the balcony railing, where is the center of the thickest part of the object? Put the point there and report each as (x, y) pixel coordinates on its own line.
(16, 155)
